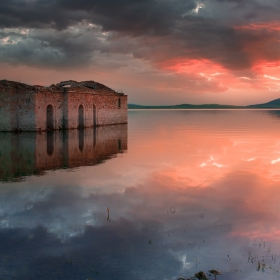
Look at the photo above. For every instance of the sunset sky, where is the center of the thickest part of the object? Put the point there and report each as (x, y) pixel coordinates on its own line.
(156, 51)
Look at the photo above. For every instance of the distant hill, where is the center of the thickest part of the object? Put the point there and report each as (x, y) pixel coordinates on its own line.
(272, 104)
(185, 106)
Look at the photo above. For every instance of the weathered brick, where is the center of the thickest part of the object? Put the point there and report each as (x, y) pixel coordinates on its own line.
(70, 105)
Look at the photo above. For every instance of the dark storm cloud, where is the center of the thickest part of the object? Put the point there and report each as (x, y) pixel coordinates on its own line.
(48, 48)
(34, 14)
(136, 17)
(132, 17)
(153, 30)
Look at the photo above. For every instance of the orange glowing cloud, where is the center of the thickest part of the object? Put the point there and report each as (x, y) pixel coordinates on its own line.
(208, 72)
(274, 25)
(259, 45)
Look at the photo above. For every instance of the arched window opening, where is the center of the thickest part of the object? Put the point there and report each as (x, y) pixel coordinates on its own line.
(50, 117)
(119, 103)
(81, 117)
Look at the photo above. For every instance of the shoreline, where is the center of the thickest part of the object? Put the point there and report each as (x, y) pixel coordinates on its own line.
(204, 109)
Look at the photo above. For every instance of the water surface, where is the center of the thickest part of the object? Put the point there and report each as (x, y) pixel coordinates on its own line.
(174, 193)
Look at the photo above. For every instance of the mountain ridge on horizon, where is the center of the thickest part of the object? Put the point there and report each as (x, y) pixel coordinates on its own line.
(268, 105)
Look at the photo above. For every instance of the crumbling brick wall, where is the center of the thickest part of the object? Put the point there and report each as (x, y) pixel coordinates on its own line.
(67, 105)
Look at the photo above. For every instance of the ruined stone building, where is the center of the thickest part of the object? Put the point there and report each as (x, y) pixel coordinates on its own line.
(67, 105)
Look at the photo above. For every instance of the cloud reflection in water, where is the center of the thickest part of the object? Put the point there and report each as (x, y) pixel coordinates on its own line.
(55, 226)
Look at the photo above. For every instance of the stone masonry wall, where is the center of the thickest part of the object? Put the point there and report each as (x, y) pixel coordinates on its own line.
(43, 99)
(36, 108)
(98, 109)
(26, 111)
(108, 110)
(17, 111)
(76, 99)
(6, 101)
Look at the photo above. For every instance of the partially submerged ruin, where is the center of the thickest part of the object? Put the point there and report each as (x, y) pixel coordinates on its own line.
(66, 105)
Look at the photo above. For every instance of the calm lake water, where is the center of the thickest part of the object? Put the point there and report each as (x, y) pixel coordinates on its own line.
(171, 194)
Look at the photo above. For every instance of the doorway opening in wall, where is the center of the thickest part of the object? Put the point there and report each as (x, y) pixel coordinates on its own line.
(93, 115)
(81, 122)
(50, 117)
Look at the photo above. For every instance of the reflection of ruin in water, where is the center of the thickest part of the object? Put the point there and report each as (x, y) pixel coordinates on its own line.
(81, 139)
(33, 153)
(50, 142)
